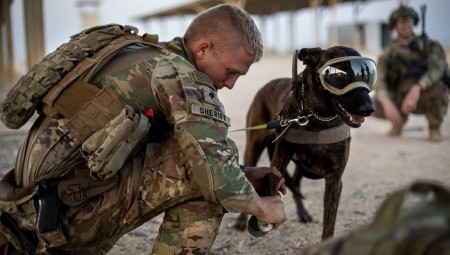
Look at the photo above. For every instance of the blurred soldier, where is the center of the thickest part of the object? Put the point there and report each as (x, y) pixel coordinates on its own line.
(410, 74)
(187, 168)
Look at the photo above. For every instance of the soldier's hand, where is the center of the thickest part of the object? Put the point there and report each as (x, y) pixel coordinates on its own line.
(390, 111)
(410, 101)
(257, 177)
(268, 210)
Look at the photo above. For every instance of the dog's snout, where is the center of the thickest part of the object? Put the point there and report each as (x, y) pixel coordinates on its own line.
(366, 110)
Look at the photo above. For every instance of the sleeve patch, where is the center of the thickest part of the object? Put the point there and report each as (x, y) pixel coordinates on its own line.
(201, 78)
(211, 96)
(210, 113)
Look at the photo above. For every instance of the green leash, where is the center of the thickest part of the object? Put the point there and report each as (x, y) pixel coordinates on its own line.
(301, 121)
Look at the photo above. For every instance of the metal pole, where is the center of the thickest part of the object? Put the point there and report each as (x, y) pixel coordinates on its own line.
(34, 27)
(11, 71)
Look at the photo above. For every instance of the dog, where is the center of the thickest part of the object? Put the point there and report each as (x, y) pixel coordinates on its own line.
(313, 122)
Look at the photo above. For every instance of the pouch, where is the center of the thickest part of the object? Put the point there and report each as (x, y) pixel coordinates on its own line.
(107, 149)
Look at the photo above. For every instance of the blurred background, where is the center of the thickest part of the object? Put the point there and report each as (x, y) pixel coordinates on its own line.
(30, 29)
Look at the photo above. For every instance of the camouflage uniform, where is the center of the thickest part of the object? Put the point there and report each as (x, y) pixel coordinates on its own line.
(399, 68)
(187, 168)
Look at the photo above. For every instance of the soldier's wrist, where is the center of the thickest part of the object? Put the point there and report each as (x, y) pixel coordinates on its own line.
(423, 84)
(421, 88)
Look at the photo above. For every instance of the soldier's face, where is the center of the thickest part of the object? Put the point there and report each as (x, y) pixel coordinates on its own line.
(404, 27)
(225, 67)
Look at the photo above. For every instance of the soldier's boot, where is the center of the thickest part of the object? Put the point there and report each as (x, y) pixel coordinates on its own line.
(435, 135)
(434, 127)
(435, 108)
(395, 130)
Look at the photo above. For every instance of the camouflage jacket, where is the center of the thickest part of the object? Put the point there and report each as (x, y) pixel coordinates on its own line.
(185, 101)
(423, 59)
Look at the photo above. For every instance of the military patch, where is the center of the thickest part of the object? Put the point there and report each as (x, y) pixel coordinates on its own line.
(210, 113)
(211, 96)
(201, 78)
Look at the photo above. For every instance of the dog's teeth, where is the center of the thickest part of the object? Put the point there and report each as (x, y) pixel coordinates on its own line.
(356, 119)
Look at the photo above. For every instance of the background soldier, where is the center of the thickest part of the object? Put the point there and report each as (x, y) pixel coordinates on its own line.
(187, 169)
(410, 73)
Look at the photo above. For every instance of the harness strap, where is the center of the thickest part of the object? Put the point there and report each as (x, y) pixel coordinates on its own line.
(326, 136)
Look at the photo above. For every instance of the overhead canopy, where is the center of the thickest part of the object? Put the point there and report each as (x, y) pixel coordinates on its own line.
(254, 7)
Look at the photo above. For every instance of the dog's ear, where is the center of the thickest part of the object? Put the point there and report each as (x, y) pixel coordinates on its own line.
(310, 56)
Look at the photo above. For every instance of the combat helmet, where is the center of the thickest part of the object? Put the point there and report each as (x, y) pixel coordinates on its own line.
(403, 11)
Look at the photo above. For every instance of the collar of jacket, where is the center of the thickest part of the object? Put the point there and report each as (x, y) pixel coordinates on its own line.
(185, 51)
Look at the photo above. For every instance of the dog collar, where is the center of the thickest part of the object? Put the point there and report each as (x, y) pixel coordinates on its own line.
(325, 136)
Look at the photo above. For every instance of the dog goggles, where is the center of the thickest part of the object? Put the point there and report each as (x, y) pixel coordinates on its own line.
(341, 75)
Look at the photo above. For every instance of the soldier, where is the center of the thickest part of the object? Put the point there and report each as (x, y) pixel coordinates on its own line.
(410, 73)
(187, 168)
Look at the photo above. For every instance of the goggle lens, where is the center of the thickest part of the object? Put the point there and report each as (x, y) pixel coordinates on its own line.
(342, 75)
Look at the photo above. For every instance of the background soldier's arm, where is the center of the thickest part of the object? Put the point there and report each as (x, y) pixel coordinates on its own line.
(437, 63)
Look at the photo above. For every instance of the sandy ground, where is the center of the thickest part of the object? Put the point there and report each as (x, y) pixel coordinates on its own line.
(377, 165)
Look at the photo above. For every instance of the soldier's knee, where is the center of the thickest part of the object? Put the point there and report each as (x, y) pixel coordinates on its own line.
(189, 228)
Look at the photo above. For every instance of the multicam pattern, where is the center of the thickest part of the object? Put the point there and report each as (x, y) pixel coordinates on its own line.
(400, 68)
(190, 171)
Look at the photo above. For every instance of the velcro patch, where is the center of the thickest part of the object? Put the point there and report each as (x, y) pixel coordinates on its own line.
(211, 96)
(210, 113)
(201, 78)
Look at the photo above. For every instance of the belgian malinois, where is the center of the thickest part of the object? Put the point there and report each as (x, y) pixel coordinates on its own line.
(315, 111)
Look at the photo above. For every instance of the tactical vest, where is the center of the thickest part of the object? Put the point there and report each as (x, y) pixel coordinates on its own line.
(404, 63)
(106, 129)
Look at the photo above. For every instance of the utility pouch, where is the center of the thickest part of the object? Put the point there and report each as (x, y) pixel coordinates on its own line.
(107, 149)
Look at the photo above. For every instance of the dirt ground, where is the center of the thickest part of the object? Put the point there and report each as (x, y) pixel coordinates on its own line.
(377, 165)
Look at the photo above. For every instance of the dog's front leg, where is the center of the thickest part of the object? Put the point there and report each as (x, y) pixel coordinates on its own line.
(331, 197)
(281, 157)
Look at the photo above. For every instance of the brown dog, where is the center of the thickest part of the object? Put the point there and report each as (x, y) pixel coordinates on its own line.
(315, 124)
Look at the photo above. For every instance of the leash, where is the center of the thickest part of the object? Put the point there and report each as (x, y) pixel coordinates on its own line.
(300, 120)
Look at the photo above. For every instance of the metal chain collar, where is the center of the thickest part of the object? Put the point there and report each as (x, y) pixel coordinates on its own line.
(304, 120)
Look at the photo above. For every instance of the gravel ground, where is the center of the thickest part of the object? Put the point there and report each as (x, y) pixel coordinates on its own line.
(377, 165)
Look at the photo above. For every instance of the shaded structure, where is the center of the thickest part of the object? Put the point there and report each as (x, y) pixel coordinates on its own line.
(264, 9)
(34, 29)
(254, 7)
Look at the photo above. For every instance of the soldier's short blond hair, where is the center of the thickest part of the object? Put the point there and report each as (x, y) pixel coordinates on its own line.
(227, 26)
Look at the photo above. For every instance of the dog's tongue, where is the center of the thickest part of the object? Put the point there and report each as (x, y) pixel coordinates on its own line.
(356, 119)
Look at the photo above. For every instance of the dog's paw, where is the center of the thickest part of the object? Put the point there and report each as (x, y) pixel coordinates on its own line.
(305, 217)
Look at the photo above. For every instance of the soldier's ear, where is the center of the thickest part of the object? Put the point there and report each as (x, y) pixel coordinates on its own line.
(200, 48)
(310, 56)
